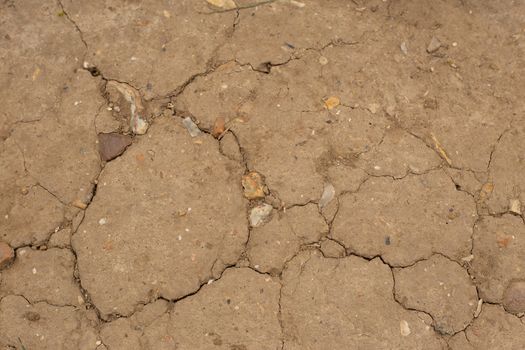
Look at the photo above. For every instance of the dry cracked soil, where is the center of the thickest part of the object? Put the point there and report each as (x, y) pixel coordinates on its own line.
(249, 174)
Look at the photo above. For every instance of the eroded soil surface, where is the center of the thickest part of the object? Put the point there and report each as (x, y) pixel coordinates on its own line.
(249, 174)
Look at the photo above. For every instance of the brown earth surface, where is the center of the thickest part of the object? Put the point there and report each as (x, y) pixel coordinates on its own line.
(262, 174)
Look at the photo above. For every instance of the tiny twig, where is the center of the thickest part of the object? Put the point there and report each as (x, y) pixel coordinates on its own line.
(22, 345)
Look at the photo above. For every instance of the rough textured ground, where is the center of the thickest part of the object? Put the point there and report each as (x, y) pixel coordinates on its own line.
(249, 174)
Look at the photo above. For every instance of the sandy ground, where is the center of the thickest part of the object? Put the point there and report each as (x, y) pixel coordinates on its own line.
(313, 174)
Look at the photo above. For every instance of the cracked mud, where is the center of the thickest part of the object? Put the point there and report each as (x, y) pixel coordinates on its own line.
(265, 174)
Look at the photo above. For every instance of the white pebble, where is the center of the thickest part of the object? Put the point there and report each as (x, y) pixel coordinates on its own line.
(102, 221)
(34, 271)
(404, 328)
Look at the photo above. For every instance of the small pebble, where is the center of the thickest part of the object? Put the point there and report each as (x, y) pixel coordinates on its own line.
(140, 126)
(373, 108)
(327, 196)
(514, 297)
(332, 102)
(515, 206)
(468, 258)
(323, 60)
(31, 316)
(297, 3)
(253, 185)
(259, 214)
(112, 145)
(404, 48)
(218, 127)
(404, 328)
(79, 204)
(478, 308)
(7, 254)
(434, 45)
(192, 128)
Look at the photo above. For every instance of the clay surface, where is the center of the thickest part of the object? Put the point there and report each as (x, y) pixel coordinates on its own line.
(262, 174)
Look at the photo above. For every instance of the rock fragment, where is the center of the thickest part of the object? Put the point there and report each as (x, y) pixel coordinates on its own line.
(515, 206)
(514, 297)
(137, 122)
(332, 102)
(7, 255)
(218, 127)
(478, 308)
(327, 196)
(404, 48)
(430, 103)
(223, 4)
(374, 108)
(253, 185)
(404, 328)
(259, 214)
(192, 128)
(112, 145)
(79, 204)
(434, 45)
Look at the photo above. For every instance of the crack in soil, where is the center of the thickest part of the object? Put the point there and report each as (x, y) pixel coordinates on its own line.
(266, 69)
(70, 20)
